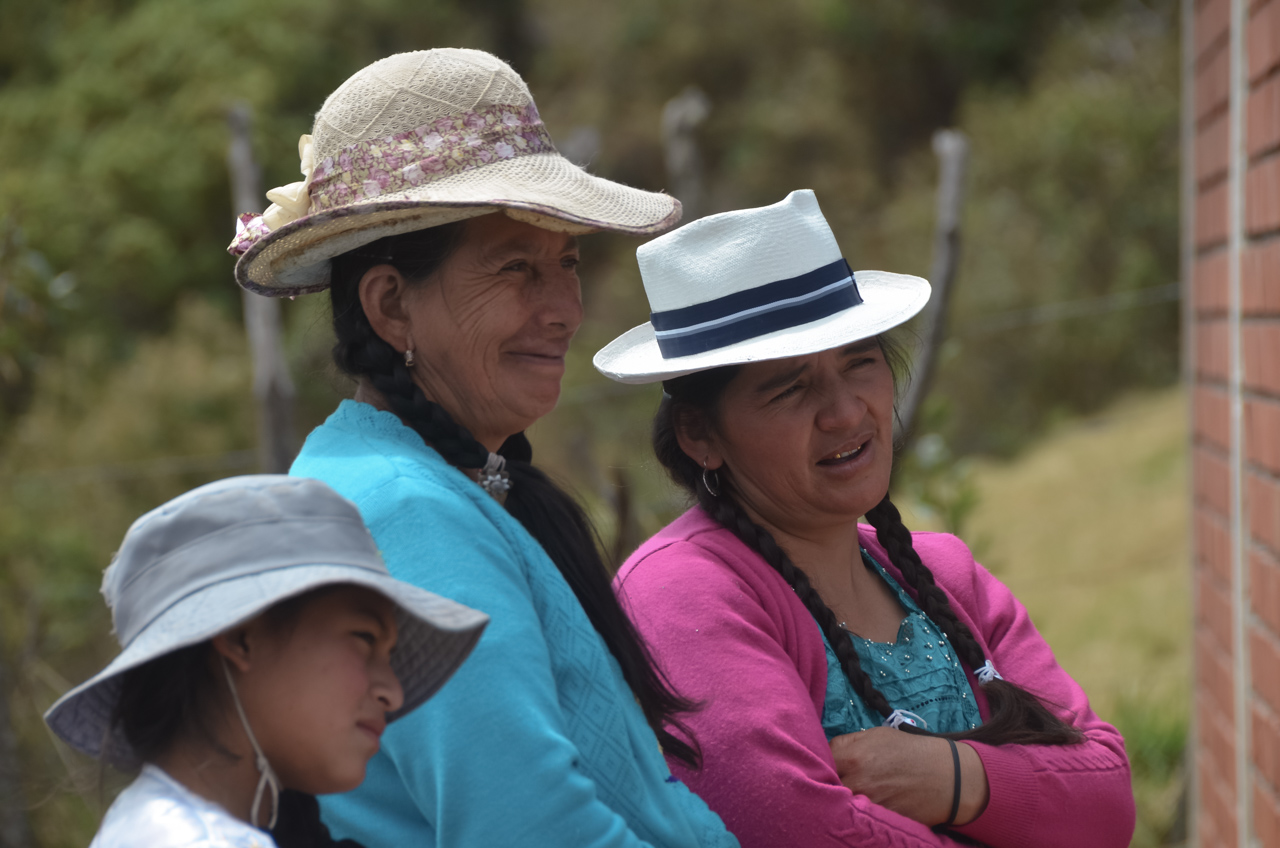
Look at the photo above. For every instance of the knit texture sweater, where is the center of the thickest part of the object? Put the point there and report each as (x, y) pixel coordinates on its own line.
(537, 740)
(730, 632)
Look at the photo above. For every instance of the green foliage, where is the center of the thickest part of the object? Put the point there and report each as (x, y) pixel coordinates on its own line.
(114, 137)
(81, 465)
(1072, 195)
(1155, 738)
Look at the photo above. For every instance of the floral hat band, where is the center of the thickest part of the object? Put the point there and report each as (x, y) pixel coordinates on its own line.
(420, 140)
(368, 169)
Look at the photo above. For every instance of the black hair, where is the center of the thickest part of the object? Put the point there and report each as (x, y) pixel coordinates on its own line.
(179, 693)
(549, 513)
(1016, 715)
(172, 696)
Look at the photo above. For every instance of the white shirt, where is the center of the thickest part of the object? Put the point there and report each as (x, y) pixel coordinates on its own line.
(156, 811)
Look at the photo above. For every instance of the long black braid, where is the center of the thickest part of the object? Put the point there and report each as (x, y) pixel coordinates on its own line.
(1016, 716)
(727, 512)
(549, 513)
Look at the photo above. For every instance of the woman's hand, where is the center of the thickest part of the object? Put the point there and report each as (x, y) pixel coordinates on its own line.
(911, 774)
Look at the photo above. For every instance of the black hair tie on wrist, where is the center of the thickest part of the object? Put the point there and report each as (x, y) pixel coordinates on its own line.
(955, 795)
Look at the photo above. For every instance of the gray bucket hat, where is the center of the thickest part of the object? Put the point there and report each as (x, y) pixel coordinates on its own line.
(222, 554)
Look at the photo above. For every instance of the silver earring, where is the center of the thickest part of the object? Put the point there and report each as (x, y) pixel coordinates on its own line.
(408, 358)
(713, 490)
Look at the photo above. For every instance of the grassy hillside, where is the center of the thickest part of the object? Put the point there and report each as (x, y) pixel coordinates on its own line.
(1090, 530)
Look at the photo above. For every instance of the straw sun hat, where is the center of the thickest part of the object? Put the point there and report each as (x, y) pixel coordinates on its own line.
(417, 140)
(752, 285)
(222, 554)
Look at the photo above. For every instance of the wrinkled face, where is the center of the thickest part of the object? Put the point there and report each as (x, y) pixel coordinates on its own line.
(317, 691)
(807, 441)
(491, 328)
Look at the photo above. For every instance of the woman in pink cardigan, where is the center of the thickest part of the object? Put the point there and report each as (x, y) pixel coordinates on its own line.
(858, 685)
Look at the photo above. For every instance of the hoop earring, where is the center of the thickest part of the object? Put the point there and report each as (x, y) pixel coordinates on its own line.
(408, 358)
(713, 490)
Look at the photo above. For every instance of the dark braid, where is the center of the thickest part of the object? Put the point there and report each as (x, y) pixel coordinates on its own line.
(726, 511)
(549, 513)
(1016, 716)
(895, 538)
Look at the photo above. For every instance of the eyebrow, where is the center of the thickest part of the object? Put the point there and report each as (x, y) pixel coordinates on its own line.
(780, 380)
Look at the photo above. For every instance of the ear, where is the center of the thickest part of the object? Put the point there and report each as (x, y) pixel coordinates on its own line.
(383, 291)
(233, 646)
(696, 439)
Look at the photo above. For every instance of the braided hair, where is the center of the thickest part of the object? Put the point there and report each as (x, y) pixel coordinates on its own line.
(549, 513)
(1016, 716)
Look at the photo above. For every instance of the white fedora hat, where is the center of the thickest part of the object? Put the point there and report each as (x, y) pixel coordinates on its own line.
(752, 285)
(422, 139)
(223, 553)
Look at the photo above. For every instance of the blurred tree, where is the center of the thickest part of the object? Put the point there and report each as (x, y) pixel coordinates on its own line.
(100, 445)
(1073, 196)
(113, 135)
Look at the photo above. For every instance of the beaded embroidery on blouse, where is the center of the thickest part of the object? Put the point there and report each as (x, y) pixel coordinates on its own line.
(918, 672)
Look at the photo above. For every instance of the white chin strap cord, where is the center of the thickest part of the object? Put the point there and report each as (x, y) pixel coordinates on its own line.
(268, 777)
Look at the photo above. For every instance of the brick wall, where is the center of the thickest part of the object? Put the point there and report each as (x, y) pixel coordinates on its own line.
(1235, 372)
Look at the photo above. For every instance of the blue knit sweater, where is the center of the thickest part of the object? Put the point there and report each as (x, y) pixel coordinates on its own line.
(537, 740)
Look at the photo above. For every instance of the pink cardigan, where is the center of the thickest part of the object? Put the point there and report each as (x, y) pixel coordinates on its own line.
(728, 631)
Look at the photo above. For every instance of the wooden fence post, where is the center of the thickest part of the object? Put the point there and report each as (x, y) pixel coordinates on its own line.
(952, 149)
(680, 117)
(272, 388)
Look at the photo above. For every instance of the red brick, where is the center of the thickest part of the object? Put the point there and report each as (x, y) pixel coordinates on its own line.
(1262, 505)
(1263, 46)
(1213, 612)
(1211, 216)
(1262, 196)
(1261, 343)
(1207, 785)
(1209, 279)
(1213, 545)
(1213, 352)
(1214, 677)
(1212, 413)
(1212, 21)
(1263, 124)
(1264, 667)
(1206, 827)
(1222, 742)
(1217, 804)
(1266, 816)
(1262, 433)
(1264, 589)
(1227, 817)
(1259, 279)
(1213, 84)
(1266, 743)
(1213, 149)
(1211, 480)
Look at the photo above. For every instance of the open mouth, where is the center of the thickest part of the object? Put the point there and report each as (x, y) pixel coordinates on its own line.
(845, 456)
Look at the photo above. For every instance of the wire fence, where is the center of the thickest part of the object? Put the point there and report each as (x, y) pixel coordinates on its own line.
(247, 459)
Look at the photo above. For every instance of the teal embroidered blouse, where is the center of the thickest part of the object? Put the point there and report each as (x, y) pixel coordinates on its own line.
(918, 673)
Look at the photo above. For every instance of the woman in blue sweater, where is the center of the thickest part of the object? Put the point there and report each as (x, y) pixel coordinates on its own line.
(438, 213)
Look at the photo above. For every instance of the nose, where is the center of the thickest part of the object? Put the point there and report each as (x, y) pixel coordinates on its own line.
(843, 407)
(387, 688)
(560, 298)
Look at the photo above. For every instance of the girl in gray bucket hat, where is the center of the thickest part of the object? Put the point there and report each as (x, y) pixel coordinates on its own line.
(265, 648)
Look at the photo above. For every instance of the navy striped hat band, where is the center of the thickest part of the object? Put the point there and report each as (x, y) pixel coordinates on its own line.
(756, 312)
